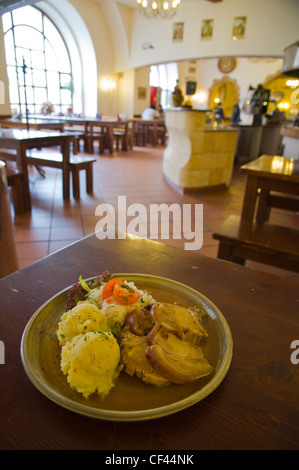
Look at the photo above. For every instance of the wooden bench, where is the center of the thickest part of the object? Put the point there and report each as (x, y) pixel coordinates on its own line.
(268, 200)
(265, 243)
(82, 163)
(76, 164)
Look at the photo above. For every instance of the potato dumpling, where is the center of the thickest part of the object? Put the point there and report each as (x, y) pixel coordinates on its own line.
(81, 319)
(91, 362)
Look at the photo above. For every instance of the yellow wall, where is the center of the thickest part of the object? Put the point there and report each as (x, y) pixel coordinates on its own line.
(285, 104)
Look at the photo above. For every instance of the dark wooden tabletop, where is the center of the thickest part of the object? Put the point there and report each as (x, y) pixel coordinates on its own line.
(255, 407)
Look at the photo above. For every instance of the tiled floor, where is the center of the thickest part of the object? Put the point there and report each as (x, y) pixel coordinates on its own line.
(54, 223)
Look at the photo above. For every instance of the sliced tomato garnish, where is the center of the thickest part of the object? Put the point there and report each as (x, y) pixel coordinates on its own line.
(124, 294)
(109, 287)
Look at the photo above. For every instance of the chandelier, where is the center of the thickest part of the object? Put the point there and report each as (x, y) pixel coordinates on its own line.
(158, 8)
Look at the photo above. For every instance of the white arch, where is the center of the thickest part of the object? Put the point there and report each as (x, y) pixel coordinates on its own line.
(113, 13)
(82, 53)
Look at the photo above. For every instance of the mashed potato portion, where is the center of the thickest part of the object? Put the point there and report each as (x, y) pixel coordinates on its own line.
(90, 353)
(91, 362)
(81, 319)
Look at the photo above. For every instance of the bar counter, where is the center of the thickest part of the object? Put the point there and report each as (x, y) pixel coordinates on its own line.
(197, 157)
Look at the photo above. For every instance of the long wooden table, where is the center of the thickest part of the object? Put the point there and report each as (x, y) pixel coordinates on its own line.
(22, 140)
(255, 407)
(88, 124)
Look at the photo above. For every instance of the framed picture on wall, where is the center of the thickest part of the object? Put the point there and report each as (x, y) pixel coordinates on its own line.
(239, 26)
(178, 32)
(207, 27)
(190, 88)
(141, 93)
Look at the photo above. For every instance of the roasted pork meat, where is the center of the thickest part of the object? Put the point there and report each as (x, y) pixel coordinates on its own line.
(134, 360)
(161, 345)
(178, 360)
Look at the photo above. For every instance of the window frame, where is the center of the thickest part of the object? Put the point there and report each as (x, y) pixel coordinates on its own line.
(34, 107)
(166, 92)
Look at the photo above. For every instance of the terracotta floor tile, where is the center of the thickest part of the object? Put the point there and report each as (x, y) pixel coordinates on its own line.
(29, 235)
(60, 221)
(27, 250)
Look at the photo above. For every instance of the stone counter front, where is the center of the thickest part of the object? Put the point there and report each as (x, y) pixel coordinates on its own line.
(197, 157)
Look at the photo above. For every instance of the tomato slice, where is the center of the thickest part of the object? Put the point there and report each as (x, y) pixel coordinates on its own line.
(125, 295)
(109, 287)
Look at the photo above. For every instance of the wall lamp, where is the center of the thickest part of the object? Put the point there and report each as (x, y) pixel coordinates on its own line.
(108, 84)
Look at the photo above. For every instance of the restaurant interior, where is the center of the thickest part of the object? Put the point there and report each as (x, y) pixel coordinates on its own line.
(149, 203)
(74, 65)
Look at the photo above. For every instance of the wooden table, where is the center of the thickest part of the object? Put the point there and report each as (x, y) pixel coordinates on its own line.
(89, 126)
(255, 407)
(33, 123)
(107, 126)
(268, 173)
(22, 140)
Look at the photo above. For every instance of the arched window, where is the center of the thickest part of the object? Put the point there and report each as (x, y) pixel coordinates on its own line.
(165, 77)
(31, 39)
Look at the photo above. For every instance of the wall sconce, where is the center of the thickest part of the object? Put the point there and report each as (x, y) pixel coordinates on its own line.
(108, 84)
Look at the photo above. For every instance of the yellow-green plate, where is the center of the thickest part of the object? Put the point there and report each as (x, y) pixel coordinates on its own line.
(130, 399)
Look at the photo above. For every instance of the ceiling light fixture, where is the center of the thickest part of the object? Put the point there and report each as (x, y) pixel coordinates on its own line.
(158, 8)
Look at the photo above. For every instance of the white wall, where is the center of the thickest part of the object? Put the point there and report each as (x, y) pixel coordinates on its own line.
(95, 21)
(271, 26)
(248, 71)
